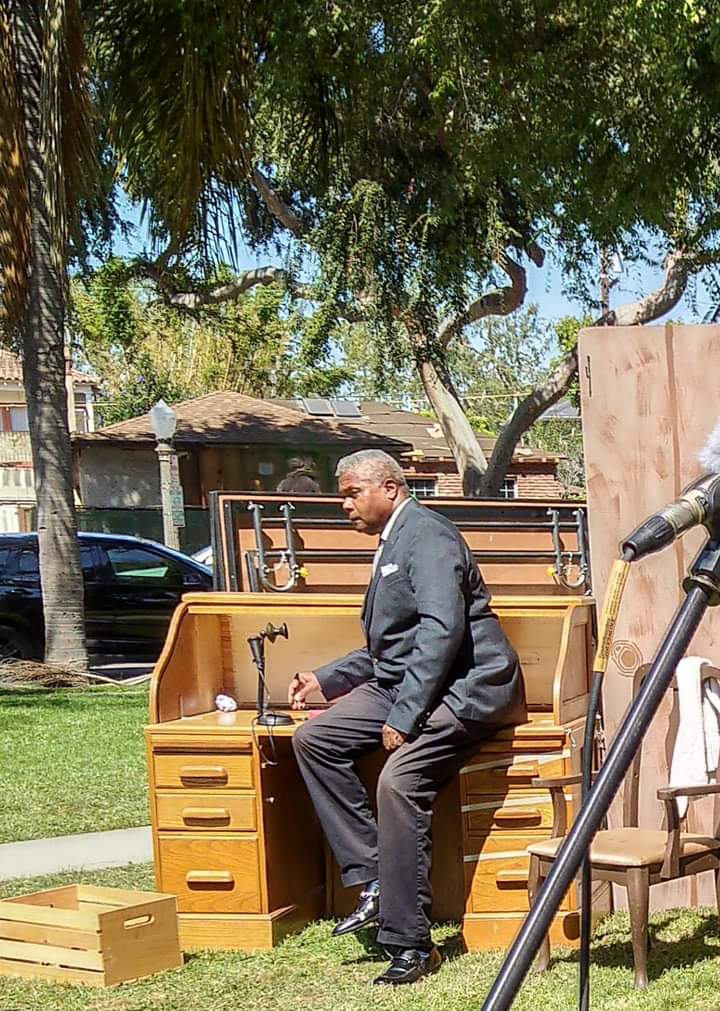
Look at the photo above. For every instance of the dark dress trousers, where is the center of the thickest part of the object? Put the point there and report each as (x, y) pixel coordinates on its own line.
(438, 668)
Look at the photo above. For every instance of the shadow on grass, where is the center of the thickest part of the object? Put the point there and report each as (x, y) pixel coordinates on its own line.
(372, 951)
(614, 950)
(450, 948)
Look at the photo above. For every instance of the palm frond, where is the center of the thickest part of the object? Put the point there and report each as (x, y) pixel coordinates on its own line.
(177, 87)
(14, 194)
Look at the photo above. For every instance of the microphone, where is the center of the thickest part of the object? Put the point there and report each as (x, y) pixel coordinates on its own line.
(255, 644)
(698, 503)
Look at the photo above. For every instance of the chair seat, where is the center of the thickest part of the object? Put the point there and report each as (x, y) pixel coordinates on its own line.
(631, 847)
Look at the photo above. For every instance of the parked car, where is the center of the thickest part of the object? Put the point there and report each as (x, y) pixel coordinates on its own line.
(204, 555)
(132, 587)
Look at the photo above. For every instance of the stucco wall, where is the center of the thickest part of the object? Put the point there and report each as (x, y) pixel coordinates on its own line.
(15, 448)
(119, 478)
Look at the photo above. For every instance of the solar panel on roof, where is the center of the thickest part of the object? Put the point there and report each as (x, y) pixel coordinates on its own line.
(346, 409)
(318, 406)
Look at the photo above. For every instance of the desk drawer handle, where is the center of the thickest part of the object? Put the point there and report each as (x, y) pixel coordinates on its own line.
(210, 878)
(517, 771)
(203, 772)
(512, 879)
(205, 814)
(517, 814)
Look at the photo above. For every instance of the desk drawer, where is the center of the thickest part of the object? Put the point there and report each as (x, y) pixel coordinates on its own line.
(531, 813)
(209, 770)
(497, 883)
(198, 812)
(477, 778)
(211, 874)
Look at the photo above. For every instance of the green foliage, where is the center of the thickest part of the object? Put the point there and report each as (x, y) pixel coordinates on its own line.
(500, 362)
(143, 349)
(372, 373)
(567, 329)
(413, 140)
(407, 145)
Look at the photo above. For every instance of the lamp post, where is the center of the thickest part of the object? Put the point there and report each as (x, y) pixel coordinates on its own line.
(163, 420)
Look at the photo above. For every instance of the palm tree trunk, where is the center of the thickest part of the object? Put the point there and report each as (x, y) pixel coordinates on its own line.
(43, 351)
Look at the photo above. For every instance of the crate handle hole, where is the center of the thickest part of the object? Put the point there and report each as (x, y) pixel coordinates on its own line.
(139, 921)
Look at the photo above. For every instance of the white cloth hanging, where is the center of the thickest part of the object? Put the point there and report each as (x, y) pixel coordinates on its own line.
(696, 753)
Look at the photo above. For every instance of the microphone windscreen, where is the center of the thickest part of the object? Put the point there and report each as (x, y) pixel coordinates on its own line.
(709, 456)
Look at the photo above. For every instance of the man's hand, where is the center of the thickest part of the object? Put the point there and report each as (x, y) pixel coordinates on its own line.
(392, 738)
(304, 683)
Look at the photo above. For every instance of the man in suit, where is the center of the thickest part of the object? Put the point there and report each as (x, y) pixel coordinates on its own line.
(436, 677)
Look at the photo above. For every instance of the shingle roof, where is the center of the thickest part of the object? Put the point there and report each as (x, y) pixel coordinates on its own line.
(11, 370)
(422, 432)
(224, 418)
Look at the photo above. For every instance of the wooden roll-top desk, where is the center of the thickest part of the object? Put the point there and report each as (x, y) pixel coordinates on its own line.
(234, 832)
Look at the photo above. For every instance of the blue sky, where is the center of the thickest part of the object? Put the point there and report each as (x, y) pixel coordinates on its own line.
(546, 289)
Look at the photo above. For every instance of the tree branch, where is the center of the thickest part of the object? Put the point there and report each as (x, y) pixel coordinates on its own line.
(678, 266)
(523, 417)
(277, 206)
(462, 440)
(227, 292)
(500, 302)
(190, 301)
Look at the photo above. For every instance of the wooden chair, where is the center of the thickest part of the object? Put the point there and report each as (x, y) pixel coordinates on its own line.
(633, 857)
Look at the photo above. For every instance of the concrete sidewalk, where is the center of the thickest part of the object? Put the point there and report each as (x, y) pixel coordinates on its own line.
(88, 852)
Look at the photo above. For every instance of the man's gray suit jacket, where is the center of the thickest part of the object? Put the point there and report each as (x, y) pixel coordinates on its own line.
(430, 632)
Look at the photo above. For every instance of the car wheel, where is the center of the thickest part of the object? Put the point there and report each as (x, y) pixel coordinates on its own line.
(14, 645)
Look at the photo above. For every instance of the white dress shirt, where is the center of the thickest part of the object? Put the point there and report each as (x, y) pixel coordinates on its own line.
(386, 531)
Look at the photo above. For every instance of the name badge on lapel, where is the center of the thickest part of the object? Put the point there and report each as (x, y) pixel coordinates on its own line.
(387, 570)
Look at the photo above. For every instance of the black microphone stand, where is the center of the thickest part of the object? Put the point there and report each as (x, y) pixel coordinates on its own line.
(702, 588)
(593, 712)
(265, 717)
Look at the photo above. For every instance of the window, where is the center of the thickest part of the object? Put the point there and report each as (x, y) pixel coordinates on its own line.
(88, 560)
(27, 564)
(28, 567)
(422, 487)
(19, 419)
(132, 565)
(509, 488)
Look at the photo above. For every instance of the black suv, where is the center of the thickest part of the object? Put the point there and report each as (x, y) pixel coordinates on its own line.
(132, 587)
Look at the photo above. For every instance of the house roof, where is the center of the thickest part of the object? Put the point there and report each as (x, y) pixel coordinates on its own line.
(11, 370)
(422, 432)
(232, 418)
(564, 410)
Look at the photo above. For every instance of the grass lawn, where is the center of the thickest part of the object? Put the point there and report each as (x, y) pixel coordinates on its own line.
(313, 972)
(71, 761)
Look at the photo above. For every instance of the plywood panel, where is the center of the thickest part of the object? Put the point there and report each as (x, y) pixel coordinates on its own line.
(649, 402)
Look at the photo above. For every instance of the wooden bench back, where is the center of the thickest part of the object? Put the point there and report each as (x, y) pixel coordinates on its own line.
(512, 540)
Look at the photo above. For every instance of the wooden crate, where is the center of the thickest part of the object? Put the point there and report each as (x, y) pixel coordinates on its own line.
(83, 934)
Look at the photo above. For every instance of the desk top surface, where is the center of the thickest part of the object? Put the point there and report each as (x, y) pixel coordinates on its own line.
(243, 721)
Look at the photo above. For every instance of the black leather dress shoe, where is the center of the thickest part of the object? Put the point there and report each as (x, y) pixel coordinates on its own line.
(365, 913)
(408, 966)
